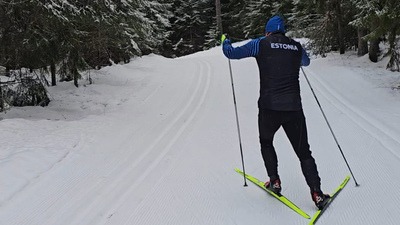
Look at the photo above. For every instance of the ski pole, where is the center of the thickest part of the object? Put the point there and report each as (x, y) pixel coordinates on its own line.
(330, 128)
(237, 122)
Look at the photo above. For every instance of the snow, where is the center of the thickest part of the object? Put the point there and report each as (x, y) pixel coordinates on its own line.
(155, 142)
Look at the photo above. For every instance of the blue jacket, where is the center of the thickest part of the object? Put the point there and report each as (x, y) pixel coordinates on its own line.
(279, 59)
(251, 49)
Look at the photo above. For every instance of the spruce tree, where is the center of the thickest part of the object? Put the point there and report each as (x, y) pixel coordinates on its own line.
(326, 24)
(257, 14)
(190, 24)
(382, 19)
(233, 18)
(157, 26)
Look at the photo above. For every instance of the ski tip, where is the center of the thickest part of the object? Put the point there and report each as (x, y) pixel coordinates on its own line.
(345, 181)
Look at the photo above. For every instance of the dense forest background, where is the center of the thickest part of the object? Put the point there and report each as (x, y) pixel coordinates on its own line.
(61, 38)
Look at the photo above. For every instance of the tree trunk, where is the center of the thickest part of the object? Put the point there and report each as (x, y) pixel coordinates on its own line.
(362, 44)
(374, 40)
(342, 47)
(53, 57)
(218, 15)
(76, 78)
(53, 73)
(394, 62)
(374, 50)
(1, 100)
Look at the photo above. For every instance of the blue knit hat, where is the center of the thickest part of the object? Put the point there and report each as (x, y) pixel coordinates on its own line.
(275, 24)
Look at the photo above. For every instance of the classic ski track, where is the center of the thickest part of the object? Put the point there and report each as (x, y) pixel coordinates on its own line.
(161, 146)
(61, 198)
(189, 112)
(112, 187)
(373, 128)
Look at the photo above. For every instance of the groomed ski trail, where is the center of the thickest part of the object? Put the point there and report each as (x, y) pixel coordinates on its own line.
(165, 154)
(92, 192)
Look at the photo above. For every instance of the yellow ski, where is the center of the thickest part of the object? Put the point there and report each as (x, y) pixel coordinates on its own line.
(280, 197)
(333, 196)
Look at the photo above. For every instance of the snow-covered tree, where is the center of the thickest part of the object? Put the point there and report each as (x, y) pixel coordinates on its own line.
(378, 19)
(233, 18)
(75, 34)
(190, 24)
(257, 14)
(156, 15)
(325, 22)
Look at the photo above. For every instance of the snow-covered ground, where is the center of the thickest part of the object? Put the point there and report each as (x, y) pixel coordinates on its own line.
(155, 142)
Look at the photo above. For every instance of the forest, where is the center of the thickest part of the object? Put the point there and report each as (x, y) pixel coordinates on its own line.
(43, 42)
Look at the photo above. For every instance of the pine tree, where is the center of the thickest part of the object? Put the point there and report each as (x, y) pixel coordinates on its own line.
(190, 24)
(391, 20)
(311, 21)
(365, 20)
(379, 18)
(284, 8)
(212, 38)
(257, 14)
(233, 14)
(326, 24)
(156, 17)
(72, 35)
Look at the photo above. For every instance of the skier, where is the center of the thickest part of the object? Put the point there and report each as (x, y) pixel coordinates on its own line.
(279, 59)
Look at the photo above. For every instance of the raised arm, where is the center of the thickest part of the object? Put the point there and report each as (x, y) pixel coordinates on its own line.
(248, 50)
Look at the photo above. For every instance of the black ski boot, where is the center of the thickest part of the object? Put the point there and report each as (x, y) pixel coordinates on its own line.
(274, 186)
(320, 199)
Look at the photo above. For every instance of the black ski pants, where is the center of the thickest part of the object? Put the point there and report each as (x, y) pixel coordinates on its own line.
(294, 125)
